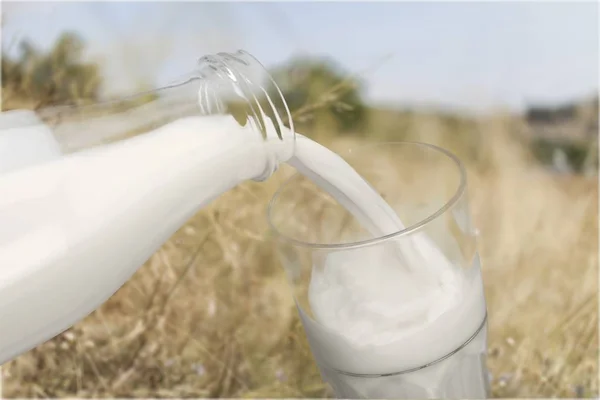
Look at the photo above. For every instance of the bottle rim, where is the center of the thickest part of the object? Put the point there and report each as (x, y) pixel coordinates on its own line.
(235, 65)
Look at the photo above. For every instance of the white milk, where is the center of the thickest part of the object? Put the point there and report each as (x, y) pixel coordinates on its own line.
(75, 228)
(389, 309)
(24, 141)
(375, 318)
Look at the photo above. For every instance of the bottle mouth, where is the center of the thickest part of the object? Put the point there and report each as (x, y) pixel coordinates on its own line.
(244, 89)
(239, 85)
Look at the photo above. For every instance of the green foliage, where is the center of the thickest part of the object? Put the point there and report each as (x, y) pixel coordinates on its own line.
(575, 152)
(58, 76)
(318, 90)
(538, 114)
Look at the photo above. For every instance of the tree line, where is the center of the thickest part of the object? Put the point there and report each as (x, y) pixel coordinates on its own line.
(62, 76)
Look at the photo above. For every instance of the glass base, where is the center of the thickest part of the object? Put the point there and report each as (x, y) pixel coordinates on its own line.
(462, 374)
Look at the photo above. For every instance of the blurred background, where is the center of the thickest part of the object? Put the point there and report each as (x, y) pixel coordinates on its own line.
(512, 88)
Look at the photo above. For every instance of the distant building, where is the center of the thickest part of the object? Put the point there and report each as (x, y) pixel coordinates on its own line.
(575, 121)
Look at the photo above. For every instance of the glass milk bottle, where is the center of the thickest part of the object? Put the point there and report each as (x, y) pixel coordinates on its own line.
(89, 193)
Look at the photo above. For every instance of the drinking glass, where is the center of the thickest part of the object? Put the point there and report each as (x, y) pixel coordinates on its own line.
(442, 357)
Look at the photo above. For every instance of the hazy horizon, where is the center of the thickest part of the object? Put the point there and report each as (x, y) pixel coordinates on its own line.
(466, 56)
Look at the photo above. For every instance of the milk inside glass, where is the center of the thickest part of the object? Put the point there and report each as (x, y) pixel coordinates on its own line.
(407, 366)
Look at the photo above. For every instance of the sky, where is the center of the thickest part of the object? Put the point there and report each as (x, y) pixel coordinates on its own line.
(473, 56)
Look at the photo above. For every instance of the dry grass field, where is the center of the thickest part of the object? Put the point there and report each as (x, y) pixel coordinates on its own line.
(211, 315)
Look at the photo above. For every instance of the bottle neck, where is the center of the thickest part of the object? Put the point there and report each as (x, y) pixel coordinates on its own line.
(233, 84)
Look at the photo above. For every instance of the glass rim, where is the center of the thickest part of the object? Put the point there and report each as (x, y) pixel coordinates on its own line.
(448, 204)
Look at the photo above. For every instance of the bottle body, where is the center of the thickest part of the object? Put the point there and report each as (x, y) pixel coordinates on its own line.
(124, 178)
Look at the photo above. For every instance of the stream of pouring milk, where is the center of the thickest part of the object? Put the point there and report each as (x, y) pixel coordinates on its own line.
(76, 227)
